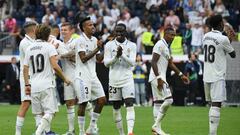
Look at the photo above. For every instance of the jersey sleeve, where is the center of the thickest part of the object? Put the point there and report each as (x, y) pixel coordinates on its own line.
(132, 58)
(227, 46)
(52, 51)
(80, 46)
(96, 40)
(108, 59)
(158, 48)
(61, 49)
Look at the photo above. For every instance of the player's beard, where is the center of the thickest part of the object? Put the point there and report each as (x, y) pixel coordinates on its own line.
(120, 38)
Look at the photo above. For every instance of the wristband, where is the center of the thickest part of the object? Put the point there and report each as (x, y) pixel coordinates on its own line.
(158, 77)
(27, 85)
(180, 74)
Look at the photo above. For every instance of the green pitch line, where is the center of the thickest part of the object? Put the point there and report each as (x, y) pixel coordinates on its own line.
(178, 121)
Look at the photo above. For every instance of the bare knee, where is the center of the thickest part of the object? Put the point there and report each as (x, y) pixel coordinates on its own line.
(216, 104)
(116, 105)
(129, 102)
(81, 109)
(70, 102)
(101, 101)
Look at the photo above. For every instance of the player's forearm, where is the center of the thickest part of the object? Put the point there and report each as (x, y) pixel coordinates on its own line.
(25, 75)
(144, 68)
(100, 57)
(109, 61)
(72, 59)
(174, 68)
(155, 68)
(87, 57)
(59, 72)
(68, 54)
(130, 61)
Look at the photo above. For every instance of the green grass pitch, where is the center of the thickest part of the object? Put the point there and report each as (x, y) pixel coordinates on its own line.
(178, 121)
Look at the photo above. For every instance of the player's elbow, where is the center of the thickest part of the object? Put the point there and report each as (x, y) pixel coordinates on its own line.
(107, 64)
(232, 54)
(83, 59)
(55, 68)
(132, 63)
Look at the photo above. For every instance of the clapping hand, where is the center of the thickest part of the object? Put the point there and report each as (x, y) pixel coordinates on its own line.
(119, 51)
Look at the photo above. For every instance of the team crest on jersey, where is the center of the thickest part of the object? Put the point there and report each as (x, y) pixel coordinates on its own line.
(82, 46)
(128, 50)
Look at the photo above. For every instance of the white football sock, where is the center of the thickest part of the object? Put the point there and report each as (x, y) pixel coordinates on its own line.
(163, 109)
(45, 122)
(81, 123)
(118, 120)
(214, 118)
(156, 108)
(19, 125)
(89, 109)
(94, 119)
(48, 128)
(70, 117)
(37, 118)
(130, 119)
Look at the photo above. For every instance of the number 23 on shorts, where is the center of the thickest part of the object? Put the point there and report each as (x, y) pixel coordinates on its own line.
(113, 90)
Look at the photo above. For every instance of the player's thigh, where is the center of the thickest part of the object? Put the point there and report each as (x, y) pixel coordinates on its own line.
(207, 89)
(157, 94)
(69, 92)
(128, 91)
(115, 93)
(83, 90)
(24, 97)
(97, 89)
(49, 101)
(166, 92)
(36, 103)
(218, 91)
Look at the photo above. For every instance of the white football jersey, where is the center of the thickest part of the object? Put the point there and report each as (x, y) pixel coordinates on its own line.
(54, 41)
(69, 66)
(38, 60)
(120, 69)
(24, 44)
(87, 70)
(161, 48)
(216, 47)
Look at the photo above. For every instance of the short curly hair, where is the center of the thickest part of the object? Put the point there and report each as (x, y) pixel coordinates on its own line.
(42, 32)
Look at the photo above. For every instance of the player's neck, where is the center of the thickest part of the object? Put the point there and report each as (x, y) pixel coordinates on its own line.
(89, 35)
(66, 39)
(31, 35)
(120, 40)
(54, 34)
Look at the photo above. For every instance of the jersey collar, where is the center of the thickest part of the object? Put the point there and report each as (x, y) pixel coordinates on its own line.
(69, 41)
(52, 36)
(29, 38)
(85, 36)
(164, 42)
(118, 43)
(39, 40)
(216, 31)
